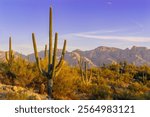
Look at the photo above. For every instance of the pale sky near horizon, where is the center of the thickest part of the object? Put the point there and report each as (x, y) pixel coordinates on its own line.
(86, 24)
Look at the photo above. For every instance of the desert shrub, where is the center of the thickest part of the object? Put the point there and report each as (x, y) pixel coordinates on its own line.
(65, 85)
(145, 96)
(126, 78)
(16, 96)
(142, 76)
(24, 72)
(124, 95)
(108, 74)
(114, 67)
(102, 91)
(21, 96)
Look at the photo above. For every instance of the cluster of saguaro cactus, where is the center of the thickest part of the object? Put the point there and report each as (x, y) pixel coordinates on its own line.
(84, 71)
(53, 69)
(9, 55)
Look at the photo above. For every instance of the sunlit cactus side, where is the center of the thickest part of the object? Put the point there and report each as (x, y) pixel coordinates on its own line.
(9, 55)
(53, 69)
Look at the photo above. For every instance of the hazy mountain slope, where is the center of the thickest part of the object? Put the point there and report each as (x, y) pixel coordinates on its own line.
(107, 55)
(100, 55)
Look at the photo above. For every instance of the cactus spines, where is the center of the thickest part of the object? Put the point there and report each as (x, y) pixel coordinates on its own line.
(53, 69)
(9, 55)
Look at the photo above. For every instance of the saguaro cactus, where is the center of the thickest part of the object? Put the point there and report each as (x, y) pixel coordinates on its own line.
(87, 79)
(10, 58)
(84, 72)
(53, 69)
(45, 52)
(9, 55)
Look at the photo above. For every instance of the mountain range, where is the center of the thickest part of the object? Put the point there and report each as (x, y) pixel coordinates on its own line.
(100, 55)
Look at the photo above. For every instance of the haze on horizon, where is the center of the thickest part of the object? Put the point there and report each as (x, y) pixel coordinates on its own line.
(86, 24)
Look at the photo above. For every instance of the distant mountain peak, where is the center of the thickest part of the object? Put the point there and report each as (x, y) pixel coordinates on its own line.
(138, 48)
(105, 48)
(77, 50)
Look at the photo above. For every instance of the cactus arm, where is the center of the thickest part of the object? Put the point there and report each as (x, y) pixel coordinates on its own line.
(59, 68)
(50, 38)
(6, 56)
(61, 61)
(36, 53)
(45, 53)
(85, 71)
(64, 50)
(80, 62)
(90, 76)
(12, 55)
(55, 54)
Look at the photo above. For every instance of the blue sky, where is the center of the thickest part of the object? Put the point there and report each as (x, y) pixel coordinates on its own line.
(86, 24)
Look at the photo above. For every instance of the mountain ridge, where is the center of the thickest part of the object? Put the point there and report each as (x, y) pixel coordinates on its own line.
(101, 55)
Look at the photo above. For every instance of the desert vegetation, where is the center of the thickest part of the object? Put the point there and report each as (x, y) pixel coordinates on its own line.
(113, 81)
(53, 78)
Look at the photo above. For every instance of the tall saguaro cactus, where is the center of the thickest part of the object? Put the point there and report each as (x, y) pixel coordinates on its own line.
(53, 69)
(9, 55)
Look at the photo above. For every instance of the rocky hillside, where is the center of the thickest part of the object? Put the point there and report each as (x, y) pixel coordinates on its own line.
(19, 93)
